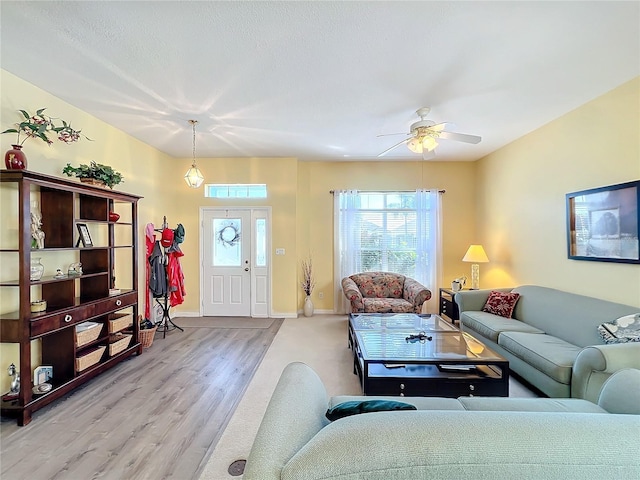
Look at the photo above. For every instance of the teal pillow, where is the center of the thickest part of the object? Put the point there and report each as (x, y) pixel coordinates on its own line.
(347, 409)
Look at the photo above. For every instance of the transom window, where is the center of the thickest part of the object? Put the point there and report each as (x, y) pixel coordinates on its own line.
(235, 190)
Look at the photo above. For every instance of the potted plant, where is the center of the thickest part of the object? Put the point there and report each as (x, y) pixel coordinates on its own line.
(38, 126)
(95, 173)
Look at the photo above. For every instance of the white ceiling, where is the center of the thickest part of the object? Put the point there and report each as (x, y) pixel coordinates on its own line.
(320, 80)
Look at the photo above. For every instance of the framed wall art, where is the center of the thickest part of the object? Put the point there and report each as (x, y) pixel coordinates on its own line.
(85, 236)
(602, 223)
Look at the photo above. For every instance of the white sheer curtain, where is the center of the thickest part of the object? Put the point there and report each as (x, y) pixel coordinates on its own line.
(346, 231)
(429, 244)
(347, 236)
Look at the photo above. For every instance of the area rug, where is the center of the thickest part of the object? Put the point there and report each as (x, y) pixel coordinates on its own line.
(222, 322)
(320, 342)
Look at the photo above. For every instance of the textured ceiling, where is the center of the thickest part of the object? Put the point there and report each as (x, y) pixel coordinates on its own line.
(320, 80)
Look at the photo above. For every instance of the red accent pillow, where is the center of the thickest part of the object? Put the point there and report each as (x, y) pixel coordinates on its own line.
(501, 303)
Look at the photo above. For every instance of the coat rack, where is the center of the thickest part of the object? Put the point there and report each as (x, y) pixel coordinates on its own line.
(166, 324)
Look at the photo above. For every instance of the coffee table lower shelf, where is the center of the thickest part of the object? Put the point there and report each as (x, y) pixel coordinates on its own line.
(433, 379)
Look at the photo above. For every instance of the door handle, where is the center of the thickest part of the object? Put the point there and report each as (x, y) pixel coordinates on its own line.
(246, 269)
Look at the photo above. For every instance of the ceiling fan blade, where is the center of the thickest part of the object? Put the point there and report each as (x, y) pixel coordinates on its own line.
(460, 137)
(438, 127)
(396, 145)
(390, 134)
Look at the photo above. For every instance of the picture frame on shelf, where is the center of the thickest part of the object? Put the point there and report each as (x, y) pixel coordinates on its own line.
(603, 223)
(42, 374)
(85, 236)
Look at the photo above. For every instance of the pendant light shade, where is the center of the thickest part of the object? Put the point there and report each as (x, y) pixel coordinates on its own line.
(194, 177)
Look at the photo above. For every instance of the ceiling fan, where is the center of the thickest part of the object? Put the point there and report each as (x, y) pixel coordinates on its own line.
(423, 136)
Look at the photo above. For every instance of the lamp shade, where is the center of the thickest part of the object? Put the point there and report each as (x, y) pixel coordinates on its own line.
(475, 254)
(193, 177)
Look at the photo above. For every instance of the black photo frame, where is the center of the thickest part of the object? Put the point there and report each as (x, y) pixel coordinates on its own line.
(85, 236)
(602, 223)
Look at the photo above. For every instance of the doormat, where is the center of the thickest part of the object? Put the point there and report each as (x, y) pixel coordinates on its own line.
(223, 322)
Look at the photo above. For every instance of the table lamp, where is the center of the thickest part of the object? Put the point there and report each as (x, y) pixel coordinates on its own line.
(475, 255)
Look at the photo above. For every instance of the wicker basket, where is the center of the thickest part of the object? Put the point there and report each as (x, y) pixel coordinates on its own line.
(146, 336)
(90, 358)
(118, 343)
(120, 323)
(88, 334)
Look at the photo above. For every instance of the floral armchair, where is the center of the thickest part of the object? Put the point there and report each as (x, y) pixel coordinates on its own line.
(384, 292)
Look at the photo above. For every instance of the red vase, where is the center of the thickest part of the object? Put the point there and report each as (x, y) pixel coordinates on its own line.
(15, 159)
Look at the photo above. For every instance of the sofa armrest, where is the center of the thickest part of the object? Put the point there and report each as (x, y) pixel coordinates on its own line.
(352, 292)
(415, 293)
(620, 393)
(294, 415)
(595, 364)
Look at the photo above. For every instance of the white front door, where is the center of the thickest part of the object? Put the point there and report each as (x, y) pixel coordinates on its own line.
(234, 262)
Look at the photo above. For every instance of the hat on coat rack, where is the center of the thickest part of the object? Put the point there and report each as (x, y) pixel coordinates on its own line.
(167, 237)
(179, 233)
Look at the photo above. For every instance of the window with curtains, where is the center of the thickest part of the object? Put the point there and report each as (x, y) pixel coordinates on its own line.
(388, 231)
(387, 226)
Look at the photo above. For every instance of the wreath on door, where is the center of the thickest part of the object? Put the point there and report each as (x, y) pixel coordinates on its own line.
(229, 235)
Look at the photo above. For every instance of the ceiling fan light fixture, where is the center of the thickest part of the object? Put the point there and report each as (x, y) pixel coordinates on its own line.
(415, 145)
(420, 144)
(194, 177)
(429, 143)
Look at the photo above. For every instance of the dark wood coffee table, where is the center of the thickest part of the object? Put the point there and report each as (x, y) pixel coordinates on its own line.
(442, 362)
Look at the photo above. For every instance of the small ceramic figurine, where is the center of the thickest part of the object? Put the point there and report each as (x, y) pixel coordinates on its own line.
(75, 269)
(36, 231)
(15, 379)
(59, 274)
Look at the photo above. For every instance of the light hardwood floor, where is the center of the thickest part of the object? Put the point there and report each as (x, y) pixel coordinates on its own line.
(156, 416)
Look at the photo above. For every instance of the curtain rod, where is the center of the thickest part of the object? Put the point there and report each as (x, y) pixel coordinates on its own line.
(386, 191)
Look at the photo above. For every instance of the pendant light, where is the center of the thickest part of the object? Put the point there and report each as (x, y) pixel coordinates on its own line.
(194, 177)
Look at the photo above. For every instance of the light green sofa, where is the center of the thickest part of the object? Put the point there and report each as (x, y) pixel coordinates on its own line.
(446, 438)
(552, 342)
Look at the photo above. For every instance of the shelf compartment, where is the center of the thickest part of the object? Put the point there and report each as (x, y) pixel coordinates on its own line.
(56, 349)
(93, 208)
(60, 294)
(89, 358)
(94, 260)
(56, 207)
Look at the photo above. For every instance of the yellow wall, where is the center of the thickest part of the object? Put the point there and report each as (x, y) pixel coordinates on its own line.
(302, 214)
(182, 204)
(521, 197)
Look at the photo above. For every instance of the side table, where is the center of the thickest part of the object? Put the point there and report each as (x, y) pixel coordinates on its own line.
(448, 308)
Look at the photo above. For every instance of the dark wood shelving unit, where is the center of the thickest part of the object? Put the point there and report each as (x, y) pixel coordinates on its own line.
(72, 299)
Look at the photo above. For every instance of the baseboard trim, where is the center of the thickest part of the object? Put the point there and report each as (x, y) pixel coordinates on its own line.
(186, 313)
